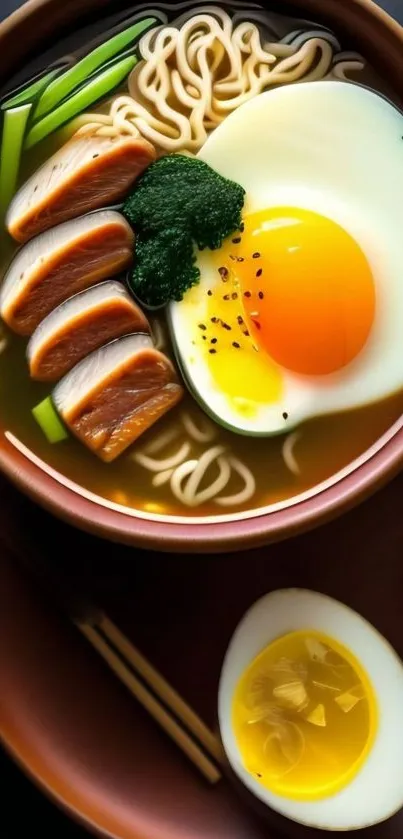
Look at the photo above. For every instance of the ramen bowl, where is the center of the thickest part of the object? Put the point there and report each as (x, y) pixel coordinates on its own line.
(268, 501)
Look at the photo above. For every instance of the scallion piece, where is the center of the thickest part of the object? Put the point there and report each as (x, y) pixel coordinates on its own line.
(90, 93)
(29, 93)
(62, 87)
(49, 421)
(14, 125)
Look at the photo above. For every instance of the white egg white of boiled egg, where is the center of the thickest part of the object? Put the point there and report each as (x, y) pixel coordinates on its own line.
(328, 148)
(375, 793)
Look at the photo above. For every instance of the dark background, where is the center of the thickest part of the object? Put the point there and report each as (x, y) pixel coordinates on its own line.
(23, 811)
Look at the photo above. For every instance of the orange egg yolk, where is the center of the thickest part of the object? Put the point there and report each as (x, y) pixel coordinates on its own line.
(306, 287)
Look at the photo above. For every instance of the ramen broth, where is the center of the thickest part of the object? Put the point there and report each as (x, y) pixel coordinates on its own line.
(270, 470)
(324, 447)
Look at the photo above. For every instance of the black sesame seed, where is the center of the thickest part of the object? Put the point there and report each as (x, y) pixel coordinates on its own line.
(258, 775)
(240, 259)
(226, 297)
(234, 295)
(226, 326)
(257, 324)
(236, 241)
(246, 333)
(210, 293)
(36, 188)
(204, 338)
(94, 156)
(236, 345)
(285, 415)
(223, 271)
(259, 272)
(256, 255)
(247, 294)
(202, 326)
(242, 226)
(260, 295)
(212, 352)
(240, 319)
(213, 341)
(234, 258)
(214, 320)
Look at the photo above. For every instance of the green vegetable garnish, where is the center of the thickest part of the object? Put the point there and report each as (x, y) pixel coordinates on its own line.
(49, 421)
(31, 91)
(80, 100)
(179, 203)
(14, 124)
(62, 87)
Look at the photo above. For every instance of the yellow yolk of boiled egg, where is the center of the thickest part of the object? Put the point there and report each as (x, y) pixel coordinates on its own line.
(305, 289)
(305, 716)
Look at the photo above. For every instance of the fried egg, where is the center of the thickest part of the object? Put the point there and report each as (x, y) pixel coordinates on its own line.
(300, 313)
(309, 707)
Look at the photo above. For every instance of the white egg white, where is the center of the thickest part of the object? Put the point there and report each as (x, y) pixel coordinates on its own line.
(376, 792)
(335, 149)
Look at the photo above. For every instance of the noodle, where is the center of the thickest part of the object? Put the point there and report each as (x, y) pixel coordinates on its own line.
(193, 495)
(204, 433)
(162, 478)
(247, 492)
(161, 465)
(158, 334)
(194, 76)
(187, 474)
(288, 452)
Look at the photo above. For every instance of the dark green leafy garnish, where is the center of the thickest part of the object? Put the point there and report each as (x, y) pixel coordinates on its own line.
(179, 203)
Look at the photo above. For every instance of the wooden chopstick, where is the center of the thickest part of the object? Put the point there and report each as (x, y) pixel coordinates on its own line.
(160, 686)
(151, 704)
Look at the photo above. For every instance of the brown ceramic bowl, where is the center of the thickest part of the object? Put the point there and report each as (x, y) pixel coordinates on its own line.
(373, 32)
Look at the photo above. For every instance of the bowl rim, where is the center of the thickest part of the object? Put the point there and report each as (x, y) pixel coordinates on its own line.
(203, 537)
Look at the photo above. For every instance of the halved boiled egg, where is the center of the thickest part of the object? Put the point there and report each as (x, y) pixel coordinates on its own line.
(300, 313)
(310, 715)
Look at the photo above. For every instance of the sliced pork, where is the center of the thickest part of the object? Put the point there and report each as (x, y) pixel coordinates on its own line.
(88, 172)
(116, 394)
(81, 325)
(61, 262)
